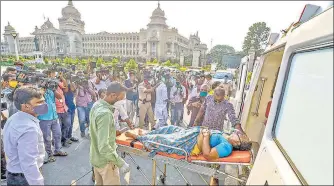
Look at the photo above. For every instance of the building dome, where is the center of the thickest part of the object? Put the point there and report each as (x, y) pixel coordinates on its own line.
(9, 27)
(158, 12)
(70, 11)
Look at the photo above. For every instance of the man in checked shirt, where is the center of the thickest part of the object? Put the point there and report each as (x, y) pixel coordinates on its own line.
(214, 110)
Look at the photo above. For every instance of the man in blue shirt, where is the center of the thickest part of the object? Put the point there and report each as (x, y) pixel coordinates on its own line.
(49, 122)
(131, 95)
(23, 139)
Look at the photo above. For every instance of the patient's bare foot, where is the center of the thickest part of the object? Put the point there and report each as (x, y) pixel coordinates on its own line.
(141, 132)
(130, 135)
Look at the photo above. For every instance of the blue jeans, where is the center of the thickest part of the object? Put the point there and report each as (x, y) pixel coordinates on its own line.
(46, 127)
(71, 115)
(83, 117)
(176, 113)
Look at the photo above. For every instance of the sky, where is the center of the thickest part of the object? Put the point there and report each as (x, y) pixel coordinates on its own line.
(223, 22)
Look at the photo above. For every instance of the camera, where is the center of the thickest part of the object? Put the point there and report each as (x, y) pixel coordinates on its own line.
(3, 106)
(48, 83)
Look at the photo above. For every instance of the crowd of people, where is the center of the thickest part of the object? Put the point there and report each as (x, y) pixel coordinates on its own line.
(40, 118)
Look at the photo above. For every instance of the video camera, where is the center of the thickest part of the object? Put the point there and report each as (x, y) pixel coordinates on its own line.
(48, 83)
(31, 77)
(3, 104)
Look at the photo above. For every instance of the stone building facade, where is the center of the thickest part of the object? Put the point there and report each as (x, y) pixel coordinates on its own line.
(156, 41)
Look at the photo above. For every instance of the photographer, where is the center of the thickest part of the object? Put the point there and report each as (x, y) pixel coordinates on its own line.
(9, 84)
(84, 98)
(177, 95)
(99, 81)
(11, 70)
(69, 100)
(63, 116)
(49, 121)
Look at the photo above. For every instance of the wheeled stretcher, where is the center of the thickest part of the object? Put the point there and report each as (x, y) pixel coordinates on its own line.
(196, 164)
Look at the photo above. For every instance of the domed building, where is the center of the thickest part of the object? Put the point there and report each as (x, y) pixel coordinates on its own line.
(157, 40)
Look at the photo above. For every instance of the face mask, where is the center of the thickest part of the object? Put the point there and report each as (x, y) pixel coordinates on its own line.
(41, 109)
(203, 94)
(13, 84)
(18, 67)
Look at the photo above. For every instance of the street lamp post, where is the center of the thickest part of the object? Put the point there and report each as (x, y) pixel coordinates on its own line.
(14, 34)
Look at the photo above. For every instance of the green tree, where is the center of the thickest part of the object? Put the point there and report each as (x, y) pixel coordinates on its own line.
(256, 37)
(167, 63)
(131, 65)
(217, 52)
(58, 60)
(99, 62)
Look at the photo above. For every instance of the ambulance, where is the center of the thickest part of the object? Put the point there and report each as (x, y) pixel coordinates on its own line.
(288, 109)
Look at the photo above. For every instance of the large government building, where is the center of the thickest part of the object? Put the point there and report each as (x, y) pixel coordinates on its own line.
(156, 41)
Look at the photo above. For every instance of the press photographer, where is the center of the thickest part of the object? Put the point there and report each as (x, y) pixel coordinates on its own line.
(50, 90)
(84, 97)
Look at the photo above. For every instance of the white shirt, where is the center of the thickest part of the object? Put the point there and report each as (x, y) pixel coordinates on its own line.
(177, 98)
(120, 111)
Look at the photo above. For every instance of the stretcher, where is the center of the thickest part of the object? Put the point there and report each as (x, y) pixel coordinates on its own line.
(196, 164)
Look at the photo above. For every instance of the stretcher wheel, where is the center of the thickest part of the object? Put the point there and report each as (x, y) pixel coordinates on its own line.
(123, 155)
(162, 179)
(93, 176)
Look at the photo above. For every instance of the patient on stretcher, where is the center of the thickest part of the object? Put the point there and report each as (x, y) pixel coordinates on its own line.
(212, 144)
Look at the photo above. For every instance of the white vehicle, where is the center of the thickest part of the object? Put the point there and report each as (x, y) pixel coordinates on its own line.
(288, 111)
(220, 76)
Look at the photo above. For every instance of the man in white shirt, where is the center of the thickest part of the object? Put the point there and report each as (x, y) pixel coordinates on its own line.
(177, 94)
(160, 109)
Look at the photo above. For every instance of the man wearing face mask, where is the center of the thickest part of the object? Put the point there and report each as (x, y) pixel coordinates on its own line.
(103, 155)
(214, 109)
(177, 95)
(23, 139)
(195, 104)
(196, 89)
(19, 65)
(161, 100)
(9, 84)
(227, 86)
(131, 95)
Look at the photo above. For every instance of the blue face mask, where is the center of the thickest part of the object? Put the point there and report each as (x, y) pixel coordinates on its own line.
(203, 94)
(17, 67)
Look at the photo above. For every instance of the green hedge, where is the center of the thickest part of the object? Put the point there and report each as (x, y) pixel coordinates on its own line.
(6, 63)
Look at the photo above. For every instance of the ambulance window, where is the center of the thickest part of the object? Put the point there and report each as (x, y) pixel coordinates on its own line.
(304, 125)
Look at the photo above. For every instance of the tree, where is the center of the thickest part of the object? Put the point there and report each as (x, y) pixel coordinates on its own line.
(131, 65)
(256, 37)
(217, 52)
(167, 63)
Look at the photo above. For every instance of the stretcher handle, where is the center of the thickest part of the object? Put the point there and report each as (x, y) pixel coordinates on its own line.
(185, 152)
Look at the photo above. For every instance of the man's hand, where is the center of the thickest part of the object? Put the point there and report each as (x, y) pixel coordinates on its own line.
(197, 104)
(125, 168)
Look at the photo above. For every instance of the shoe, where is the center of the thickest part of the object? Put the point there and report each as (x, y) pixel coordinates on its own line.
(74, 139)
(64, 144)
(68, 141)
(83, 134)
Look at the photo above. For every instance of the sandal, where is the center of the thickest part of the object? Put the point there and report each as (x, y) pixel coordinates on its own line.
(51, 159)
(74, 139)
(60, 153)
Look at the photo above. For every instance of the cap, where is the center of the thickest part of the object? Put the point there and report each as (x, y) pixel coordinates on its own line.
(115, 87)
